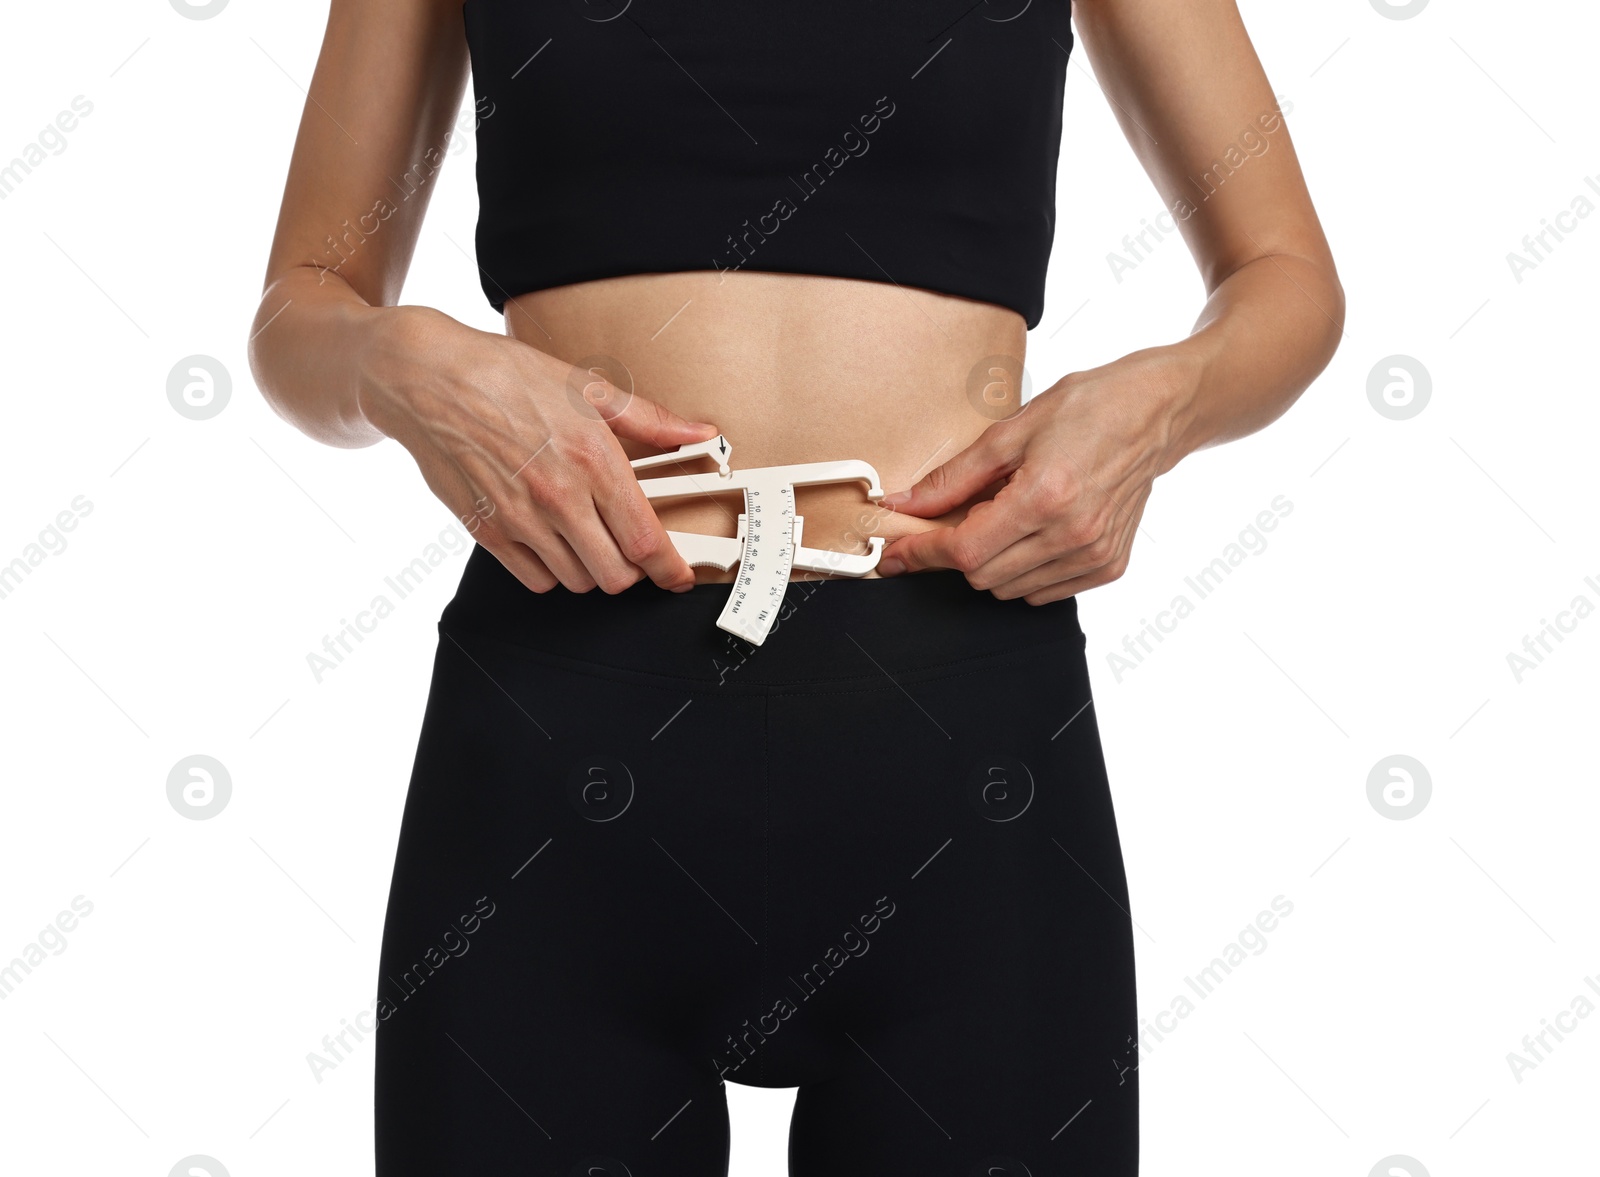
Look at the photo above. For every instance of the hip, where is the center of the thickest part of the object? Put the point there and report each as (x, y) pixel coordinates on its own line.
(876, 714)
(885, 724)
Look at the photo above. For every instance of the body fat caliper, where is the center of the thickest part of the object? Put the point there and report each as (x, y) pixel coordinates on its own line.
(767, 546)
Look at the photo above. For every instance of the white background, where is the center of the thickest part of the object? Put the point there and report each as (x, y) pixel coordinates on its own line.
(1377, 621)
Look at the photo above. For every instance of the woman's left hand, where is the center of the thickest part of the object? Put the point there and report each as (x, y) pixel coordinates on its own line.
(1077, 465)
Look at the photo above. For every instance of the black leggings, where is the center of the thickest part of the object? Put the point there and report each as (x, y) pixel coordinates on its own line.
(874, 859)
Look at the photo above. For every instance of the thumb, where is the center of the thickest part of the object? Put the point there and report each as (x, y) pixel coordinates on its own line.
(959, 480)
(639, 418)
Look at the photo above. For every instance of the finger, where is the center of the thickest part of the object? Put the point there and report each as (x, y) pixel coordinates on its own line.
(992, 457)
(597, 547)
(521, 562)
(1072, 586)
(968, 545)
(552, 548)
(1098, 561)
(555, 514)
(1045, 582)
(1044, 574)
(454, 484)
(1023, 559)
(639, 418)
(1038, 559)
(638, 533)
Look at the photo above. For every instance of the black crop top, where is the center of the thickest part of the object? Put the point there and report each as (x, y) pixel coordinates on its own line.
(912, 141)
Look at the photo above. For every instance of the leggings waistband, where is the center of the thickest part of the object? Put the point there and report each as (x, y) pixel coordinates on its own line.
(829, 631)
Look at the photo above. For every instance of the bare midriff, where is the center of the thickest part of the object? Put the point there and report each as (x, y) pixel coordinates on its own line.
(792, 369)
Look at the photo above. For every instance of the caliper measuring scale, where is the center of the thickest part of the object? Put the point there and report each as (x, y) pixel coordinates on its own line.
(767, 547)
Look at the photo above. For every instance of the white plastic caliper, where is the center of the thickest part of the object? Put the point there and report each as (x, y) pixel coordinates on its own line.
(767, 547)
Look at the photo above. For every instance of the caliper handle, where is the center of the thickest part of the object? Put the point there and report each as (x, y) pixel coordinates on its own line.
(675, 486)
(717, 449)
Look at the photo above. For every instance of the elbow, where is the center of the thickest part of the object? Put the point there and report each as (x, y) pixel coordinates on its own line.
(1336, 304)
(264, 358)
(266, 330)
(1312, 272)
(303, 352)
(1333, 296)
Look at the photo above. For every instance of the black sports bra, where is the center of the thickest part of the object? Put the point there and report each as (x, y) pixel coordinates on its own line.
(906, 141)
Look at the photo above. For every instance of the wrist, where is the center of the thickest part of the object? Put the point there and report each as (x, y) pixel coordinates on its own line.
(1176, 374)
(1147, 399)
(391, 342)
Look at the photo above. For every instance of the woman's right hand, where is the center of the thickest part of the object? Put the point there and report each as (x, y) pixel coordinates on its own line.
(526, 458)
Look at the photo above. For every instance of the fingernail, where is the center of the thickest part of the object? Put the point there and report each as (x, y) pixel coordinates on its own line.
(889, 566)
(683, 588)
(898, 497)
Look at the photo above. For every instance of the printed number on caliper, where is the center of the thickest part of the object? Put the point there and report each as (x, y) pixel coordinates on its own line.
(767, 547)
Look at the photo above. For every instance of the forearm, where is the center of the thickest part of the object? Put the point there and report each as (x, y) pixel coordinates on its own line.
(1265, 334)
(312, 343)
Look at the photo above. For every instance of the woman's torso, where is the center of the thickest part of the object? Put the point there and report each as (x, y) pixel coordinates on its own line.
(793, 368)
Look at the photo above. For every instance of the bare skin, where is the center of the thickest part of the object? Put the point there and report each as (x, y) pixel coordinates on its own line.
(531, 451)
(792, 369)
